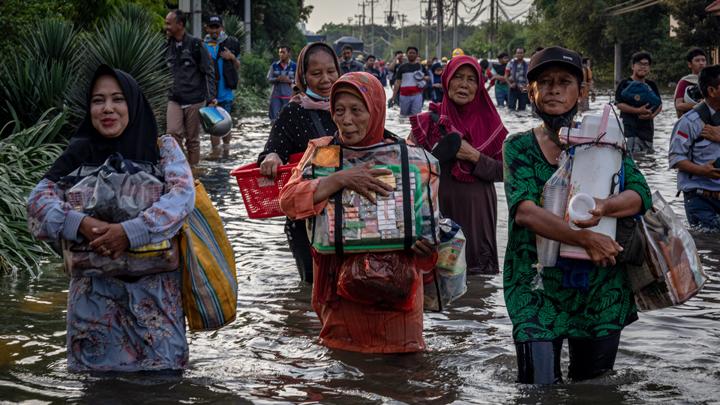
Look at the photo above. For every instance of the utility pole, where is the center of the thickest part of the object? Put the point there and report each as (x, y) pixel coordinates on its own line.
(438, 49)
(428, 19)
(455, 20)
(372, 26)
(403, 18)
(194, 10)
(248, 26)
(390, 16)
(490, 24)
(362, 20)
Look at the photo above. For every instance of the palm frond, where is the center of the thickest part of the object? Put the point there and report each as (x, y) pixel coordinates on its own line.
(25, 155)
(234, 26)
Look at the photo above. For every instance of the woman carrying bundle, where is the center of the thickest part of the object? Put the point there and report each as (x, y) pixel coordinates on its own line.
(358, 108)
(123, 322)
(590, 311)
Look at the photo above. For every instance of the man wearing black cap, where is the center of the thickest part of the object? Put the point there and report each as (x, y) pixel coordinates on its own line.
(587, 303)
(224, 50)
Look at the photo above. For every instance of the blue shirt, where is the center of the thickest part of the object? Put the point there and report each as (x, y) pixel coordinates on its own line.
(224, 93)
(687, 130)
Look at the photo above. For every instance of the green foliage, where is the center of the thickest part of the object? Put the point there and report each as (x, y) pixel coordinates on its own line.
(39, 76)
(249, 100)
(509, 36)
(140, 15)
(18, 16)
(274, 22)
(695, 26)
(234, 26)
(253, 71)
(24, 157)
(585, 26)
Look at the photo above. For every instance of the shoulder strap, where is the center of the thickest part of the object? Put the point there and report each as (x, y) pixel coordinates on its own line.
(407, 207)
(390, 135)
(704, 111)
(435, 117)
(339, 213)
(319, 129)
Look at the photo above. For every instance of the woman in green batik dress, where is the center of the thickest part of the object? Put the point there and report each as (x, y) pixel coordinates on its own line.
(588, 303)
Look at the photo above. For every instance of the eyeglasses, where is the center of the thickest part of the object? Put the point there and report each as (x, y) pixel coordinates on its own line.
(643, 64)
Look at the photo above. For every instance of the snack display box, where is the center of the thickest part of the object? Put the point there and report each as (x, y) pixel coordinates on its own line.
(380, 226)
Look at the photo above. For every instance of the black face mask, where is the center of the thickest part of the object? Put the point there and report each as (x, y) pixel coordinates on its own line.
(554, 122)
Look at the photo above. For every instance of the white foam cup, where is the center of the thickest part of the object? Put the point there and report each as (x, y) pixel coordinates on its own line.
(579, 207)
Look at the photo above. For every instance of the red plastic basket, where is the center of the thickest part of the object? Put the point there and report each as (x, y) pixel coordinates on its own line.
(261, 194)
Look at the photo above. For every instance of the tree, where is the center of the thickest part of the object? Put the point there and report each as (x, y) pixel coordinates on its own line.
(274, 22)
(695, 26)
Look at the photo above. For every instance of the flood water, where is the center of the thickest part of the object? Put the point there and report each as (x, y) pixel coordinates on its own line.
(270, 353)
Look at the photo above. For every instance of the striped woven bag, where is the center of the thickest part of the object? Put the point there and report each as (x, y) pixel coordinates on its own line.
(209, 290)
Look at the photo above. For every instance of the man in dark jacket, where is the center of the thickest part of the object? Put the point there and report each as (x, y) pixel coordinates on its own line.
(348, 63)
(224, 50)
(193, 84)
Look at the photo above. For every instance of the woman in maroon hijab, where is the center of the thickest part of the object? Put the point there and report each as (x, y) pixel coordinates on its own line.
(466, 134)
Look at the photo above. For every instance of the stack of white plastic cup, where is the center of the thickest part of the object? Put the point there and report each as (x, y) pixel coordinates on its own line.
(554, 200)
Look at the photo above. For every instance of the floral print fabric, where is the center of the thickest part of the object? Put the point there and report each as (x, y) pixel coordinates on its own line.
(124, 323)
(554, 311)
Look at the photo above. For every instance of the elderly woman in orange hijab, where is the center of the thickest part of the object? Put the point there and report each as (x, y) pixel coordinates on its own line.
(358, 109)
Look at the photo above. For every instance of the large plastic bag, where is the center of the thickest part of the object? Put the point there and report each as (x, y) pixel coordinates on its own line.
(672, 272)
(114, 192)
(383, 226)
(449, 277)
(81, 261)
(384, 280)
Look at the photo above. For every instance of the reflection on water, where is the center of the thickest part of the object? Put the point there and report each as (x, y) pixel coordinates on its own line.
(270, 352)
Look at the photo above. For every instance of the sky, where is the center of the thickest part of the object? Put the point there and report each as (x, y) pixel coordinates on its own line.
(338, 11)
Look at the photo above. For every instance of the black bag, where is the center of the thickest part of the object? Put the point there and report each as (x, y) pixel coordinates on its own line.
(630, 236)
(230, 74)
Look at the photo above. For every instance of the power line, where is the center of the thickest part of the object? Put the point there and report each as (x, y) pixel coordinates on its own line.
(623, 4)
(634, 7)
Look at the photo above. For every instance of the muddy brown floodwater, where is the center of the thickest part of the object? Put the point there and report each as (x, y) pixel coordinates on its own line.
(270, 353)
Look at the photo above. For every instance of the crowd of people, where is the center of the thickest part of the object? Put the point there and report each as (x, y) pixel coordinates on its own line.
(323, 102)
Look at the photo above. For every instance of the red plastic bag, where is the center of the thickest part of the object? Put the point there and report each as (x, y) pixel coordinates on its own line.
(384, 280)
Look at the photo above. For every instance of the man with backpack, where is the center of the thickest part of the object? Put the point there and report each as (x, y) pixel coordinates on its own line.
(193, 84)
(224, 50)
(638, 99)
(695, 152)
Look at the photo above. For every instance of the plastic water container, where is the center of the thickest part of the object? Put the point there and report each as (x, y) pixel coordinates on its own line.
(593, 171)
(554, 200)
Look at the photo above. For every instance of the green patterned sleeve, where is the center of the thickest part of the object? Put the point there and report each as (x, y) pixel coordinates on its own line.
(635, 181)
(520, 178)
